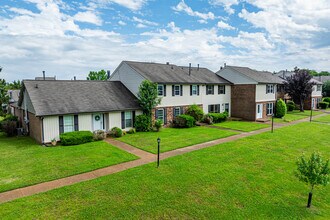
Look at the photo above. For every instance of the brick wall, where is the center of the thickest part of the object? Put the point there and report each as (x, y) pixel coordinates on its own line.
(35, 127)
(307, 103)
(243, 104)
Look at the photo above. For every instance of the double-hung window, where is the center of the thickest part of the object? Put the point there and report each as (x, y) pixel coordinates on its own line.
(68, 123)
(194, 90)
(214, 108)
(270, 107)
(128, 120)
(160, 90)
(269, 88)
(176, 111)
(160, 114)
(221, 89)
(210, 90)
(177, 90)
(318, 87)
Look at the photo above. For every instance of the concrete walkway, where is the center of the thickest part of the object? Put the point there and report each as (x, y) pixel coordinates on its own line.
(145, 157)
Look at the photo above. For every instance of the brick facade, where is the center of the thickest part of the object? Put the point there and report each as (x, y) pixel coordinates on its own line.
(35, 127)
(307, 103)
(243, 104)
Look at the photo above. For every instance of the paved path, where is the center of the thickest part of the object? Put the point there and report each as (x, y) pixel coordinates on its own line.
(145, 157)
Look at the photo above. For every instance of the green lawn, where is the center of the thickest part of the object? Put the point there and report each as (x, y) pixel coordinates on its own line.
(251, 178)
(173, 138)
(242, 125)
(323, 119)
(296, 115)
(23, 162)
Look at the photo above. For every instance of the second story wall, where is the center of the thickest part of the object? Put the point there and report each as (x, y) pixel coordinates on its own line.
(317, 90)
(264, 94)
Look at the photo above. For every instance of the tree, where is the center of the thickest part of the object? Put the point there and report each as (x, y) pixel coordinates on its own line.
(148, 96)
(280, 109)
(100, 75)
(14, 85)
(299, 86)
(326, 88)
(4, 98)
(313, 172)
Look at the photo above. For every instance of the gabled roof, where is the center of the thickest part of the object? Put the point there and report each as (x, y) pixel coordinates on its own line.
(258, 76)
(170, 73)
(322, 78)
(57, 97)
(284, 74)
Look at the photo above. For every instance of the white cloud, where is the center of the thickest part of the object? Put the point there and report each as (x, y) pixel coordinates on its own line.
(134, 5)
(139, 25)
(144, 22)
(183, 7)
(202, 21)
(22, 11)
(88, 17)
(226, 4)
(122, 23)
(224, 25)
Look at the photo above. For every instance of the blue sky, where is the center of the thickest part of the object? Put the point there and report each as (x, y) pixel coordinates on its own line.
(70, 38)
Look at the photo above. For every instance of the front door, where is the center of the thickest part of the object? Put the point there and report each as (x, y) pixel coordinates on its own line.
(97, 121)
(259, 111)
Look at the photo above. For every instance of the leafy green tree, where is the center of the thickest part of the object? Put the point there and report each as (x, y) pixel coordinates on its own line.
(299, 86)
(326, 88)
(280, 109)
(4, 98)
(313, 172)
(100, 75)
(148, 96)
(14, 85)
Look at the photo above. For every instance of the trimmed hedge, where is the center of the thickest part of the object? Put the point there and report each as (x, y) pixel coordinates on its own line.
(195, 111)
(142, 123)
(183, 121)
(218, 117)
(116, 132)
(76, 137)
(326, 99)
(323, 105)
(280, 108)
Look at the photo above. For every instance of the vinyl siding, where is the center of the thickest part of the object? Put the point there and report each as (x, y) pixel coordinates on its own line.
(115, 119)
(261, 95)
(51, 128)
(85, 122)
(316, 93)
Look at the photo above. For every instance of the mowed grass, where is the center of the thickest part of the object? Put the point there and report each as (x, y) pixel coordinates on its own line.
(296, 115)
(242, 125)
(325, 119)
(24, 163)
(251, 178)
(173, 138)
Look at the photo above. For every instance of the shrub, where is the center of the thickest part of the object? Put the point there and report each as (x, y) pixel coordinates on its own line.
(280, 109)
(142, 123)
(9, 127)
(290, 107)
(10, 117)
(207, 119)
(115, 132)
(76, 137)
(183, 121)
(195, 111)
(131, 131)
(99, 135)
(218, 117)
(326, 99)
(323, 105)
(158, 124)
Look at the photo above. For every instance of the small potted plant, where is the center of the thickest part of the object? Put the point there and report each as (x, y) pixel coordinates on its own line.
(54, 142)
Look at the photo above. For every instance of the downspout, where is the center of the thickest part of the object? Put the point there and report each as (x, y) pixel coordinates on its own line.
(26, 116)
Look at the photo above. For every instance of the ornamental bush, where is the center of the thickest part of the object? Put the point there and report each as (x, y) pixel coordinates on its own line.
(290, 107)
(8, 124)
(158, 124)
(76, 137)
(142, 123)
(280, 109)
(115, 132)
(131, 131)
(99, 135)
(218, 117)
(326, 99)
(323, 105)
(183, 121)
(195, 111)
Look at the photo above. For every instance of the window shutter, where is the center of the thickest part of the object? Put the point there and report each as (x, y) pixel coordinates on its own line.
(181, 110)
(103, 117)
(164, 90)
(209, 108)
(266, 89)
(173, 112)
(218, 106)
(190, 90)
(61, 124)
(181, 88)
(219, 89)
(156, 114)
(165, 116)
(207, 91)
(122, 120)
(212, 89)
(133, 118)
(76, 127)
(197, 89)
(172, 90)
(224, 89)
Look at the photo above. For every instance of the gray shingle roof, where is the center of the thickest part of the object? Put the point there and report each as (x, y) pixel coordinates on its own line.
(258, 76)
(322, 78)
(56, 97)
(170, 73)
(284, 74)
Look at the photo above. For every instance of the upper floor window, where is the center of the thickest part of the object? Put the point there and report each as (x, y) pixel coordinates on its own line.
(177, 90)
(160, 90)
(269, 88)
(194, 90)
(318, 87)
(221, 89)
(210, 90)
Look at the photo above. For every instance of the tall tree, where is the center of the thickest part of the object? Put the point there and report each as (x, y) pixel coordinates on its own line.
(299, 86)
(14, 85)
(326, 88)
(100, 75)
(4, 98)
(148, 96)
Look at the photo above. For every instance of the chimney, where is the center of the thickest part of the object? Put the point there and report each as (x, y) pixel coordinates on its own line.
(108, 74)
(197, 66)
(43, 76)
(189, 69)
(221, 67)
(224, 65)
(167, 63)
(74, 78)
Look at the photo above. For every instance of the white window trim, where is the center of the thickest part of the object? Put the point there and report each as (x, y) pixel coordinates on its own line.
(130, 119)
(270, 89)
(194, 88)
(163, 117)
(175, 90)
(66, 126)
(215, 108)
(211, 89)
(177, 108)
(223, 90)
(269, 110)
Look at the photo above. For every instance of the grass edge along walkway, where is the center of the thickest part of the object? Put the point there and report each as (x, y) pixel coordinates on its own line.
(146, 158)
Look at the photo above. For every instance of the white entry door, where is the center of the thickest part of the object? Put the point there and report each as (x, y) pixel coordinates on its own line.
(259, 111)
(97, 121)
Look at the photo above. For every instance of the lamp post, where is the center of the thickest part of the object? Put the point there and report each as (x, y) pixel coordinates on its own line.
(274, 112)
(158, 141)
(311, 116)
